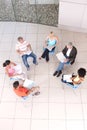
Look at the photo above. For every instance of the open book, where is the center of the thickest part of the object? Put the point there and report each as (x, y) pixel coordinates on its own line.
(61, 57)
(67, 78)
(28, 83)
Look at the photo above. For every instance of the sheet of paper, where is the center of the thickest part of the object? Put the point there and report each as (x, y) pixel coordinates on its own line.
(67, 77)
(18, 68)
(28, 83)
(61, 57)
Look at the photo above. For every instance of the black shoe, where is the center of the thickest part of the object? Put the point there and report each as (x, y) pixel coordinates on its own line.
(55, 73)
(28, 68)
(36, 93)
(59, 73)
(63, 81)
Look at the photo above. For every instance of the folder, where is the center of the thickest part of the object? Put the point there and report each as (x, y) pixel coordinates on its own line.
(61, 57)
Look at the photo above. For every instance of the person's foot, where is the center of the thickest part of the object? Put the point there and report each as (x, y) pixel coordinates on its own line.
(47, 60)
(59, 73)
(55, 73)
(36, 93)
(39, 58)
(28, 68)
(36, 63)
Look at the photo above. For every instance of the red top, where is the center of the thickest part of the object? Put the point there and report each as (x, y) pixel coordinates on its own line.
(21, 91)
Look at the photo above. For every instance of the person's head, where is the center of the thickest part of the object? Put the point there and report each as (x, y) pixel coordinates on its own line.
(7, 62)
(51, 33)
(15, 84)
(81, 72)
(69, 45)
(20, 39)
(4, 64)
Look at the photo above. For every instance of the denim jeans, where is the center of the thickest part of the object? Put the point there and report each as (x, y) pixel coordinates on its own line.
(25, 56)
(61, 66)
(46, 53)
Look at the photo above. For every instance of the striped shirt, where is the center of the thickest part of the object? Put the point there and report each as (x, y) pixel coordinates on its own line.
(23, 47)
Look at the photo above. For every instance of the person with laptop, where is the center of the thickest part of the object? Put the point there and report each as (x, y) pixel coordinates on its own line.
(69, 53)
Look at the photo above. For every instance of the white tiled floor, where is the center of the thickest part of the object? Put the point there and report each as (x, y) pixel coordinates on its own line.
(55, 108)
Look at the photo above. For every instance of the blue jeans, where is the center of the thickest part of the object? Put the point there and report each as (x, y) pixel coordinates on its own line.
(25, 56)
(61, 66)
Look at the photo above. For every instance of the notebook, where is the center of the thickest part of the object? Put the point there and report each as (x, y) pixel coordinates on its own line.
(28, 83)
(67, 78)
(61, 57)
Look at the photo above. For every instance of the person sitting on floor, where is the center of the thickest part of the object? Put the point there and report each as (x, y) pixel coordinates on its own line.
(22, 91)
(13, 70)
(49, 46)
(75, 79)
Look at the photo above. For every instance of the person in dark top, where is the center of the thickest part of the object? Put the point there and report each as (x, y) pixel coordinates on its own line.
(70, 53)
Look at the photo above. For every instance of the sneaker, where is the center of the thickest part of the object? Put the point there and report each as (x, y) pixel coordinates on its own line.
(55, 73)
(36, 93)
(59, 73)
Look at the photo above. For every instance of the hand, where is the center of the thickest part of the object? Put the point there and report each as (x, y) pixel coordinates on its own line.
(66, 60)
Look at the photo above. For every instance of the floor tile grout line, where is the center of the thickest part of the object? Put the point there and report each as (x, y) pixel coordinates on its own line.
(2, 88)
(48, 98)
(32, 97)
(65, 108)
(14, 114)
(82, 110)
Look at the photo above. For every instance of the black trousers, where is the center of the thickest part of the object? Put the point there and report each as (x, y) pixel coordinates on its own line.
(46, 54)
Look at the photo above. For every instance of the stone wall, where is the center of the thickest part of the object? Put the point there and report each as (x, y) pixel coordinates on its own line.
(6, 11)
(22, 11)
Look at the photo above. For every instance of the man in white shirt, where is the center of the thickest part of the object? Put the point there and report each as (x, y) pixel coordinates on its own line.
(25, 51)
(70, 53)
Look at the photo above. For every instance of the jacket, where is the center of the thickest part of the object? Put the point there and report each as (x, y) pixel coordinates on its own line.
(72, 54)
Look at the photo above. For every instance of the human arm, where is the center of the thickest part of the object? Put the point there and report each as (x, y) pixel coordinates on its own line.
(12, 63)
(72, 55)
(22, 48)
(45, 43)
(6, 71)
(57, 40)
(77, 80)
(29, 47)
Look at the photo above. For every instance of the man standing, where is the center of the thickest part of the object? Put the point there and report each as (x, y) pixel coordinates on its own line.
(25, 50)
(70, 53)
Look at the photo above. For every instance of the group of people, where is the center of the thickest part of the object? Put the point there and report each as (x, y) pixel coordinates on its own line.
(24, 49)
(14, 72)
